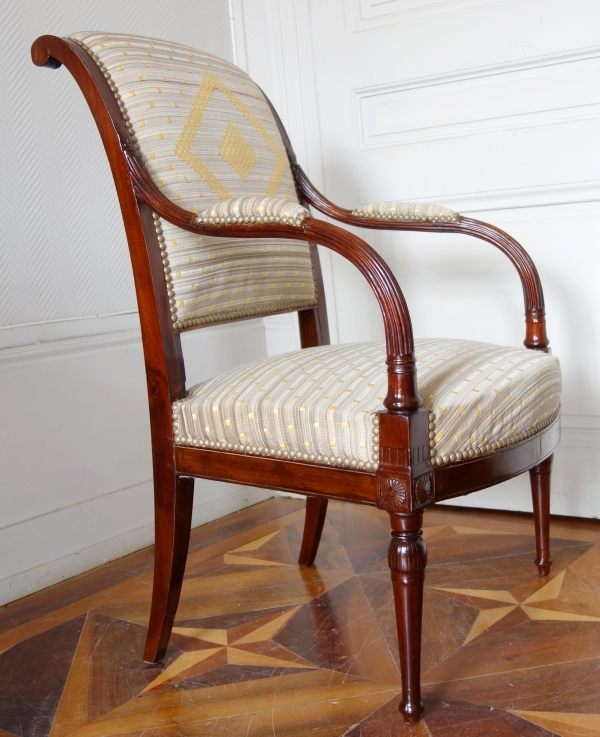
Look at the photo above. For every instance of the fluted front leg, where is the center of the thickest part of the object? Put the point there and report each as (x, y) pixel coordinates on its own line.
(540, 493)
(407, 559)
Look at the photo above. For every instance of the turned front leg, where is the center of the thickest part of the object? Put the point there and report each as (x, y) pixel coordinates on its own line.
(407, 559)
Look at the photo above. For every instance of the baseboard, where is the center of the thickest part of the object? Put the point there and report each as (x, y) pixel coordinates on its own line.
(67, 556)
(290, 495)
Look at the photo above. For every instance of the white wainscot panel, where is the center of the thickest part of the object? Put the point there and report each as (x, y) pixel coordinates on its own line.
(76, 475)
(539, 91)
(364, 15)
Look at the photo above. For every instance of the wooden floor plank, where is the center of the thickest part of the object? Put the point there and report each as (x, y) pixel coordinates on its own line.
(263, 647)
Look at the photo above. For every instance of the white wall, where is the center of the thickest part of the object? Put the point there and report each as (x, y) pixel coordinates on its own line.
(75, 467)
(488, 106)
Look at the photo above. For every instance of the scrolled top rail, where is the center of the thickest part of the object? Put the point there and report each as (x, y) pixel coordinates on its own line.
(132, 179)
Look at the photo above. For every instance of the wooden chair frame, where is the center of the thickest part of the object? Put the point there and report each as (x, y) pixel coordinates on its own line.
(405, 483)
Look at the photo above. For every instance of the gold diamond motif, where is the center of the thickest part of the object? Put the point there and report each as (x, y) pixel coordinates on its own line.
(183, 149)
(237, 152)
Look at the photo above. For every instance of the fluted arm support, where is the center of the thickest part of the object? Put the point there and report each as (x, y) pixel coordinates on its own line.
(378, 216)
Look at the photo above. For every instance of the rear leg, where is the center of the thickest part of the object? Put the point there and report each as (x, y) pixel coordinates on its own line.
(316, 509)
(173, 522)
(540, 493)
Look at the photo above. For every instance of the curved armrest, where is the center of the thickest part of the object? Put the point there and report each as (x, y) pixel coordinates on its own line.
(406, 211)
(255, 210)
(396, 215)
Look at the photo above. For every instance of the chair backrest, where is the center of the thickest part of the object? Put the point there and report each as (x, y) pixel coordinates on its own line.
(206, 133)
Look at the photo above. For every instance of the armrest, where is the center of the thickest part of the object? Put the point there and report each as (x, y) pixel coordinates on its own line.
(396, 215)
(255, 210)
(406, 211)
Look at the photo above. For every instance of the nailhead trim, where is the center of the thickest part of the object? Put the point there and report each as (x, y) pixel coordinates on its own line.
(412, 218)
(236, 314)
(468, 453)
(161, 239)
(353, 462)
(115, 90)
(254, 220)
(312, 458)
(166, 266)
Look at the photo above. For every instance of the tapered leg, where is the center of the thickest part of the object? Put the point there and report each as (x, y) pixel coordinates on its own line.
(407, 557)
(540, 492)
(316, 509)
(173, 521)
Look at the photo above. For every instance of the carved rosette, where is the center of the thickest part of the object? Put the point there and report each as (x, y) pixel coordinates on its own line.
(392, 493)
(423, 490)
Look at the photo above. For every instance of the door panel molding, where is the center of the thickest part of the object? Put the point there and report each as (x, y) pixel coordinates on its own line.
(538, 91)
(366, 15)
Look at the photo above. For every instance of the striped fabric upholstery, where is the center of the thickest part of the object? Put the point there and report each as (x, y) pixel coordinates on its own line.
(318, 404)
(396, 210)
(205, 133)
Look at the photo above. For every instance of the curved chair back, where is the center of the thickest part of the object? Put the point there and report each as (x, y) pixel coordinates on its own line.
(206, 133)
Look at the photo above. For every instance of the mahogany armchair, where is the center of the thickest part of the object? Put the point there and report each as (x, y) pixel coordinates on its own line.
(216, 216)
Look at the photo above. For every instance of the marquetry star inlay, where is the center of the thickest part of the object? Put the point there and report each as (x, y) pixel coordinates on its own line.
(248, 644)
(245, 555)
(491, 614)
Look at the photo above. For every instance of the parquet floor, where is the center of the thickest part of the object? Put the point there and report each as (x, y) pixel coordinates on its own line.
(263, 648)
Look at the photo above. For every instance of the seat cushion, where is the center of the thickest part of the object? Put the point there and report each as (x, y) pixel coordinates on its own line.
(319, 404)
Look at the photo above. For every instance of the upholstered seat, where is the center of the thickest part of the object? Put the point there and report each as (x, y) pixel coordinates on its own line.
(319, 404)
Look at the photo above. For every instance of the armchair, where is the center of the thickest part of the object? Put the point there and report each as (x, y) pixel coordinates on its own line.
(216, 214)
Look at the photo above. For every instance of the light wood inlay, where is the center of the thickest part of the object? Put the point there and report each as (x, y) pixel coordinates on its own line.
(279, 650)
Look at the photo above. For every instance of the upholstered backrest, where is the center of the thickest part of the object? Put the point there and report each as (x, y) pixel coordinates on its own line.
(205, 133)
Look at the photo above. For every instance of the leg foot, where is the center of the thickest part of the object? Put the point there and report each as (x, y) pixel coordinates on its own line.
(412, 713)
(316, 509)
(407, 557)
(540, 493)
(173, 521)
